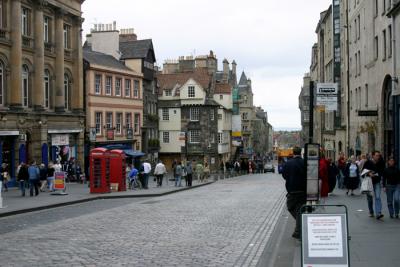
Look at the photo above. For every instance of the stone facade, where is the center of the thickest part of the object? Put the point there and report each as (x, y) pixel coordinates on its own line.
(41, 96)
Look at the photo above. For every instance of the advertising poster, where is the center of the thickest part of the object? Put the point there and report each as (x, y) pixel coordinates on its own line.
(59, 180)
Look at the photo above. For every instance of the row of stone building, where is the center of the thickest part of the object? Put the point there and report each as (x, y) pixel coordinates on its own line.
(59, 99)
(357, 49)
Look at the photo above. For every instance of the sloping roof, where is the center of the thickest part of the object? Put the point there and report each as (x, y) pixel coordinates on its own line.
(223, 88)
(105, 60)
(169, 81)
(136, 49)
(243, 79)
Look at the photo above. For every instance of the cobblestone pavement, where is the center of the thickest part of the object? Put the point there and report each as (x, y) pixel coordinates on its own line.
(227, 223)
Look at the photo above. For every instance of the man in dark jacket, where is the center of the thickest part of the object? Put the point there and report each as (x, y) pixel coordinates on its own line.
(294, 172)
(377, 165)
(391, 185)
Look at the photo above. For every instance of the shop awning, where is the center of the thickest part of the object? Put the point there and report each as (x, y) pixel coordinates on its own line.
(64, 131)
(133, 153)
(128, 151)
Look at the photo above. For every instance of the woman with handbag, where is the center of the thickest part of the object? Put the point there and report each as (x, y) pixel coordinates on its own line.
(352, 176)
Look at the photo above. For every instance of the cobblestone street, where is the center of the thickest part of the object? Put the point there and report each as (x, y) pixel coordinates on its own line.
(227, 223)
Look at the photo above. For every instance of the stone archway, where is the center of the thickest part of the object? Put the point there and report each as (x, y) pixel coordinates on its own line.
(387, 109)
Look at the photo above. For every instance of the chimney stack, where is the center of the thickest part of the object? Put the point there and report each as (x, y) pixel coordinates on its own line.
(234, 67)
(225, 70)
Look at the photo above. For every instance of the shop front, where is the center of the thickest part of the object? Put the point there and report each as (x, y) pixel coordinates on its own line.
(62, 146)
(8, 141)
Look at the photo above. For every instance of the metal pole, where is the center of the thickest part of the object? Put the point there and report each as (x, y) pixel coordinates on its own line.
(348, 78)
(311, 122)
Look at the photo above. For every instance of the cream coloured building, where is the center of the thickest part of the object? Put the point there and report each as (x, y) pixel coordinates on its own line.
(41, 83)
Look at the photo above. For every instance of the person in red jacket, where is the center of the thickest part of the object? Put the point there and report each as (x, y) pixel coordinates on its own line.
(323, 174)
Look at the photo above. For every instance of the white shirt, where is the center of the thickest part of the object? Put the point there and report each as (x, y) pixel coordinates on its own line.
(146, 167)
(160, 169)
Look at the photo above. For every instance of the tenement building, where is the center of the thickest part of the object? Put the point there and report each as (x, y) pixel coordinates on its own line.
(41, 83)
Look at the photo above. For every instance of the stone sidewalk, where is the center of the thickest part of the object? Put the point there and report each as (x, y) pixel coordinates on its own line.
(13, 203)
(373, 242)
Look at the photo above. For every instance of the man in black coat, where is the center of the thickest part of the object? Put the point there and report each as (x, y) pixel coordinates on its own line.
(377, 165)
(294, 172)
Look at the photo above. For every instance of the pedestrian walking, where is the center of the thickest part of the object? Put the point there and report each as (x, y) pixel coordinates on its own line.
(159, 172)
(23, 177)
(341, 164)
(50, 176)
(294, 173)
(4, 176)
(237, 167)
(377, 165)
(391, 185)
(43, 177)
(189, 172)
(200, 172)
(206, 172)
(323, 174)
(178, 174)
(333, 172)
(352, 176)
(34, 175)
(146, 173)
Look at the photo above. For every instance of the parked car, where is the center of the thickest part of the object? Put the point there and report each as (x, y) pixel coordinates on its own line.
(269, 167)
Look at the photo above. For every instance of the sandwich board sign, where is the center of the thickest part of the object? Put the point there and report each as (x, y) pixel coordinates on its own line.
(325, 240)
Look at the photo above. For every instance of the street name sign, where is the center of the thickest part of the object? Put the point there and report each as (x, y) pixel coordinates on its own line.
(326, 95)
(324, 242)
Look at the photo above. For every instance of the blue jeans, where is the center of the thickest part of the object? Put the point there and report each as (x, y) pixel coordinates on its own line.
(392, 194)
(50, 181)
(145, 180)
(22, 187)
(378, 202)
(178, 180)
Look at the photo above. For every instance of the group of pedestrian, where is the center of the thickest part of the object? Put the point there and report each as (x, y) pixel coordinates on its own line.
(38, 177)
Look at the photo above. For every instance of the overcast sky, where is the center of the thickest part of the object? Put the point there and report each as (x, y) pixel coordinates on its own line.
(270, 40)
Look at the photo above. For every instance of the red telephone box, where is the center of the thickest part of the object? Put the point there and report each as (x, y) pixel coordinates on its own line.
(118, 168)
(99, 171)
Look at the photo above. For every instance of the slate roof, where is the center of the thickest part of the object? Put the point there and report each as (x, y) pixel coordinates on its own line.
(104, 60)
(170, 81)
(223, 88)
(243, 79)
(135, 49)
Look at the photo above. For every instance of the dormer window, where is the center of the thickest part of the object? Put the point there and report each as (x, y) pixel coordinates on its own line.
(168, 92)
(191, 92)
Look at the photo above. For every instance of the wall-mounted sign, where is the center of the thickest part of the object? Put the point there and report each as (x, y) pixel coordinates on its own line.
(92, 134)
(60, 139)
(110, 134)
(129, 133)
(327, 96)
